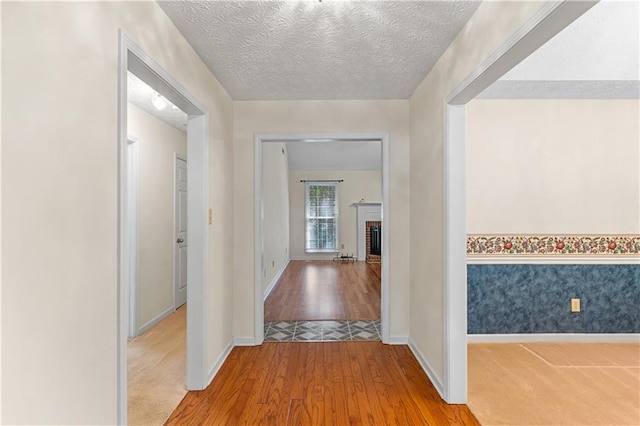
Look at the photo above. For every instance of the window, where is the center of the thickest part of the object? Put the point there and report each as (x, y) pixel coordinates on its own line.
(321, 206)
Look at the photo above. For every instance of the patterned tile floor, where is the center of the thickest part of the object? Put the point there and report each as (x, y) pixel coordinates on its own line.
(321, 331)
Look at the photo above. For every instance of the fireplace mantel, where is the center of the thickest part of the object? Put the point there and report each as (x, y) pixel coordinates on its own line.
(367, 212)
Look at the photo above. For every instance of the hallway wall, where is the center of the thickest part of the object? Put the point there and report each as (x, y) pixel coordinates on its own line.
(487, 29)
(251, 117)
(59, 202)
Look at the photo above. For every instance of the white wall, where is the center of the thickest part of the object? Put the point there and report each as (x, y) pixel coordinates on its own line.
(487, 29)
(275, 210)
(553, 166)
(251, 117)
(59, 202)
(357, 184)
(158, 143)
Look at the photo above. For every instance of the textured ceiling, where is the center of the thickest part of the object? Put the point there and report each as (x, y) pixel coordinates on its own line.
(273, 50)
(140, 95)
(335, 155)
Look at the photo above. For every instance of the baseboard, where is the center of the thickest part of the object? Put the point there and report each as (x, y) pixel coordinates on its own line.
(221, 359)
(155, 320)
(398, 340)
(555, 337)
(328, 256)
(437, 383)
(275, 279)
(244, 341)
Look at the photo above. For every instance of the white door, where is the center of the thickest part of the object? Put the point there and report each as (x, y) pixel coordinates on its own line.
(180, 234)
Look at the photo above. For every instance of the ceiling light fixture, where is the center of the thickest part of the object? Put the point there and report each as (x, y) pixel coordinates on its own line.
(158, 101)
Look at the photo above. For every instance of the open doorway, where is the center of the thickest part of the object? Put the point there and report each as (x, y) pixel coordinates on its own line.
(322, 276)
(157, 207)
(554, 239)
(309, 241)
(153, 186)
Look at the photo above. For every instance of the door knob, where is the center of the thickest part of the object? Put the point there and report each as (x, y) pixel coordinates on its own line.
(179, 240)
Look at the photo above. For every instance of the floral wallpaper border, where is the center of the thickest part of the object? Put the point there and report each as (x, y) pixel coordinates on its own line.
(553, 245)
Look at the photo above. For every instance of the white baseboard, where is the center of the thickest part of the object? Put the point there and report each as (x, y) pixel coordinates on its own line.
(437, 383)
(221, 359)
(275, 279)
(328, 256)
(398, 340)
(244, 341)
(555, 337)
(155, 320)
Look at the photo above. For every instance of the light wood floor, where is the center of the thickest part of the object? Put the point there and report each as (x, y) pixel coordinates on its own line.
(156, 370)
(555, 383)
(326, 290)
(337, 383)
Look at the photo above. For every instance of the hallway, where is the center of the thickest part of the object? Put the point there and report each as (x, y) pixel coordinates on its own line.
(325, 290)
(330, 383)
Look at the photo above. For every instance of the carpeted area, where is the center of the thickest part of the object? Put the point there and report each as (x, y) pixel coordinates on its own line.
(157, 371)
(555, 383)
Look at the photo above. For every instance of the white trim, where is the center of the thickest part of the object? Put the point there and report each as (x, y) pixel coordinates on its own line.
(261, 138)
(155, 320)
(275, 279)
(132, 58)
(435, 380)
(215, 368)
(244, 341)
(549, 20)
(553, 260)
(398, 340)
(555, 337)
(133, 218)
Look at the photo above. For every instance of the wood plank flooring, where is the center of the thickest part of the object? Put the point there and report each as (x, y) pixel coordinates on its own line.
(325, 290)
(337, 383)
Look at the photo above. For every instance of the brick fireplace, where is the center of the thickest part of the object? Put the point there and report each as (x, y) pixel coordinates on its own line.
(372, 258)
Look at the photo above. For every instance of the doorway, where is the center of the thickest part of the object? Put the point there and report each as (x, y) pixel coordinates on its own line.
(546, 23)
(261, 263)
(133, 59)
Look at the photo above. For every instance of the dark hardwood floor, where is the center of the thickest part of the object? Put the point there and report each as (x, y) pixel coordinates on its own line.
(326, 290)
(338, 383)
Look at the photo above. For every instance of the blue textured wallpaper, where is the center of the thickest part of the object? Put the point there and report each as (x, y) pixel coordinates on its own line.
(537, 298)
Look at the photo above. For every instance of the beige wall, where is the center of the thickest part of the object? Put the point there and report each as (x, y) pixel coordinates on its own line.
(553, 166)
(487, 29)
(158, 143)
(59, 202)
(251, 117)
(357, 184)
(275, 210)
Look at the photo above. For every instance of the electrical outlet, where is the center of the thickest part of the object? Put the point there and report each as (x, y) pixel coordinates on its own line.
(210, 216)
(286, 250)
(273, 263)
(342, 246)
(575, 305)
(265, 273)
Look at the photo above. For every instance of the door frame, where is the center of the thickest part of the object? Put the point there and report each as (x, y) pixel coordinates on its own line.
(550, 19)
(133, 148)
(261, 138)
(176, 157)
(132, 58)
